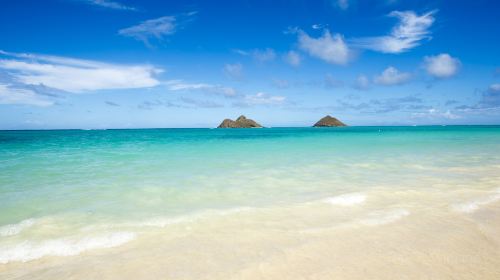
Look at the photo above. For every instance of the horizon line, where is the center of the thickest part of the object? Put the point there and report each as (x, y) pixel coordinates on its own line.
(268, 127)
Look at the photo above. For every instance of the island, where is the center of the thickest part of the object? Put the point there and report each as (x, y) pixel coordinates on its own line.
(241, 122)
(329, 121)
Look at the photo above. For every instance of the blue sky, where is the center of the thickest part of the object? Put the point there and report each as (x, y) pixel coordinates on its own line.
(128, 64)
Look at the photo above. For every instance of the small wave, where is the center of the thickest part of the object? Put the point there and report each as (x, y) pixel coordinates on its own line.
(163, 222)
(472, 206)
(384, 217)
(347, 199)
(14, 229)
(28, 251)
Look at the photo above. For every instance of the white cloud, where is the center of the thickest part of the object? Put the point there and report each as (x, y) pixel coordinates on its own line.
(179, 85)
(111, 5)
(234, 71)
(407, 34)
(259, 55)
(241, 52)
(241, 100)
(442, 65)
(342, 4)
(157, 28)
(264, 55)
(195, 103)
(436, 114)
(362, 83)
(262, 98)
(489, 100)
(176, 85)
(495, 88)
(293, 58)
(77, 75)
(392, 76)
(331, 49)
(12, 95)
(282, 84)
(332, 82)
(319, 26)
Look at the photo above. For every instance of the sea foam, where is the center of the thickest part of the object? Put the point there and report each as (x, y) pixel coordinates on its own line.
(472, 206)
(13, 229)
(347, 199)
(28, 250)
(384, 217)
(164, 222)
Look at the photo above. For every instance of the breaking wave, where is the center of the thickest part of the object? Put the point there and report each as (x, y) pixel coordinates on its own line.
(29, 250)
(347, 199)
(14, 229)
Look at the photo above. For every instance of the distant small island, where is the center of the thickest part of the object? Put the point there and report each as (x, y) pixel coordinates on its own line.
(241, 122)
(329, 121)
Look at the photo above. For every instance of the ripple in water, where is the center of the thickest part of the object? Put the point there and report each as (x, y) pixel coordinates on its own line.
(472, 206)
(384, 217)
(347, 199)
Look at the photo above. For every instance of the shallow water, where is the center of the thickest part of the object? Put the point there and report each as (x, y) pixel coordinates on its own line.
(279, 203)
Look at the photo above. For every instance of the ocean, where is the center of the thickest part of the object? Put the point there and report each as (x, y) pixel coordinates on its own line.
(270, 203)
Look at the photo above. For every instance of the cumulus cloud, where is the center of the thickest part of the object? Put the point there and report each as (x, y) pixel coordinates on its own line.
(411, 30)
(12, 95)
(260, 98)
(342, 4)
(150, 105)
(406, 103)
(410, 103)
(330, 48)
(241, 52)
(240, 100)
(434, 113)
(491, 97)
(234, 71)
(259, 55)
(392, 76)
(111, 5)
(76, 75)
(319, 26)
(293, 58)
(362, 83)
(441, 66)
(265, 55)
(157, 28)
(201, 103)
(332, 82)
(409, 33)
(179, 85)
(495, 88)
(281, 84)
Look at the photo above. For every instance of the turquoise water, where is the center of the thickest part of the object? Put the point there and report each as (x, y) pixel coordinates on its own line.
(60, 184)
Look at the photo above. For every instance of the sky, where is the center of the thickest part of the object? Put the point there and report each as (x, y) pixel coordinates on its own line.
(97, 64)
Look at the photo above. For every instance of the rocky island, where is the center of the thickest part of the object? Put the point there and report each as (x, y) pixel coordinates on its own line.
(329, 121)
(241, 122)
